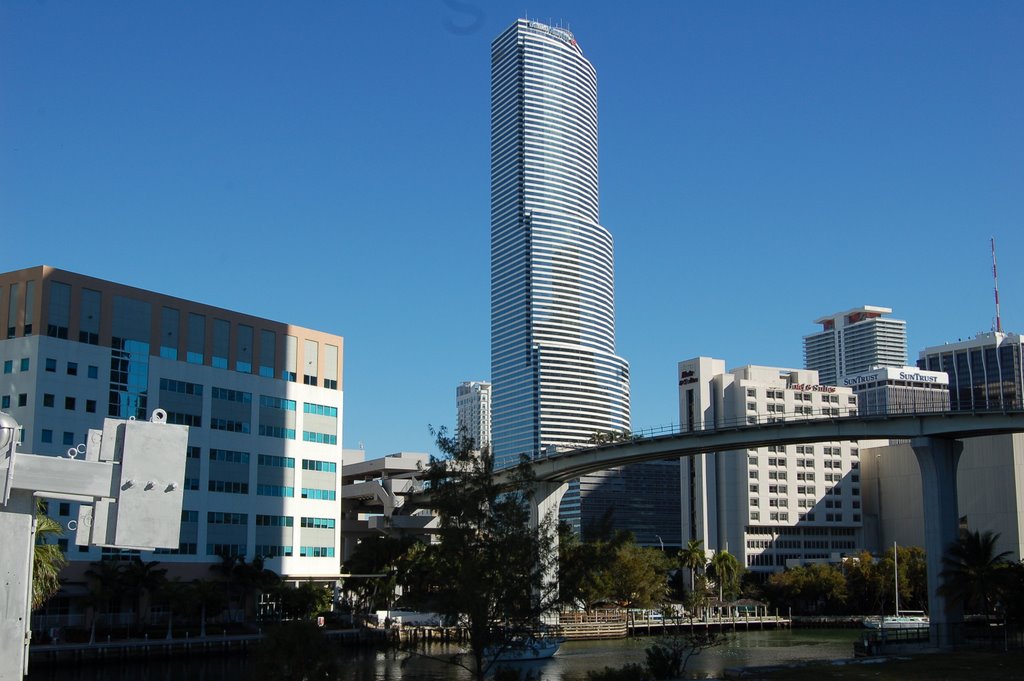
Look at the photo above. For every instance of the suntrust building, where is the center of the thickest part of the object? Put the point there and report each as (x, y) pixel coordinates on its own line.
(903, 390)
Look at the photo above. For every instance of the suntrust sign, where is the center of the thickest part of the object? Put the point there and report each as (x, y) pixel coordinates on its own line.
(896, 374)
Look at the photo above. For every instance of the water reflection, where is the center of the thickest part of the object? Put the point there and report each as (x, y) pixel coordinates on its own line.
(572, 663)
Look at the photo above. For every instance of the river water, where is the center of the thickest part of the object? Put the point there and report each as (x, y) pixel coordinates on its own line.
(573, 661)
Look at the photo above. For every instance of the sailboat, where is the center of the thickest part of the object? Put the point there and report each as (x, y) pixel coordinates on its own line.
(908, 619)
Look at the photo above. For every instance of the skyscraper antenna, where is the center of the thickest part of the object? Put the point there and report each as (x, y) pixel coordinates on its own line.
(995, 280)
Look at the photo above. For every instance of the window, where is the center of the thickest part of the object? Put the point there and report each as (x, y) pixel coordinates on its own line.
(229, 456)
(24, 363)
(69, 438)
(72, 368)
(275, 461)
(275, 491)
(319, 409)
(22, 399)
(94, 371)
(277, 403)
(321, 494)
(319, 523)
(46, 436)
(183, 387)
(51, 365)
(316, 551)
(90, 406)
(5, 402)
(322, 466)
(47, 400)
(228, 486)
(320, 438)
(69, 403)
(8, 366)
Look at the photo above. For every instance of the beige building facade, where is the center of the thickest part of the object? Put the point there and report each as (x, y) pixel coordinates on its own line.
(263, 401)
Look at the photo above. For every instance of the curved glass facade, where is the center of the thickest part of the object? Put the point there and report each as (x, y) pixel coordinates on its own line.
(556, 378)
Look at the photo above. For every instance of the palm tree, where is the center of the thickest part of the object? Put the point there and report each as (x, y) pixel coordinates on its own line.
(726, 569)
(105, 588)
(253, 579)
(209, 598)
(141, 581)
(47, 558)
(973, 570)
(693, 558)
(173, 593)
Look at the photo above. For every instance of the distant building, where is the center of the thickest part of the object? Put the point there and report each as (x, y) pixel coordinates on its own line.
(262, 399)
(985, 372)
(903, 390)
(769, 506)
(990, 493)
(854, 341)
(473, 411)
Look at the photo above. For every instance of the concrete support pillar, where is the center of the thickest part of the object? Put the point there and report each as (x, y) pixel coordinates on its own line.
(938, 459)
(547, 496)
(17, 536)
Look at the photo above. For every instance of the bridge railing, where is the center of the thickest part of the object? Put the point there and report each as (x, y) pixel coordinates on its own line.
(832, 411)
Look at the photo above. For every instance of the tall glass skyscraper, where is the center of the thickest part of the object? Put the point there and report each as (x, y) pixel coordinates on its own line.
(556, 378)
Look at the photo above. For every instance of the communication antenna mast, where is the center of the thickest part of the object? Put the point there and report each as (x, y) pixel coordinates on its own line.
(995, 279)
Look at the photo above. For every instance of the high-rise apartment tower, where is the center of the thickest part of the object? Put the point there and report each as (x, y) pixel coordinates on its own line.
(854, 341)
(555, 375)
(473, 411)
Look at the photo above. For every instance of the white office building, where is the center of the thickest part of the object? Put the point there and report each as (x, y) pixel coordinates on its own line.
(855, 341)
(903, 390)
(262, 399)
(473, 411)
(769, 506)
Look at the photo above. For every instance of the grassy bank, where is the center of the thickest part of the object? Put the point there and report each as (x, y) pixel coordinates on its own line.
(956, 666)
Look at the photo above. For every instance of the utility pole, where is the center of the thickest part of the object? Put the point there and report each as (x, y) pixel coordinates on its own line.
(129, 481)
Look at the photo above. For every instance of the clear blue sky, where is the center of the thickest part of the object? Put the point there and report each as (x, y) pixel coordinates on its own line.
(326, 163)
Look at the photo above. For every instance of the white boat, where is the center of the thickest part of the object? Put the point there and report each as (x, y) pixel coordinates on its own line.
(912, 620)
(524, 648)
(908, 619)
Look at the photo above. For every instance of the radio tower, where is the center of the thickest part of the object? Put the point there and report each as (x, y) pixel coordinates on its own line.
(995, 279)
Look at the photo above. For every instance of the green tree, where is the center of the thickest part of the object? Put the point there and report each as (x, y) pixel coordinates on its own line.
(378, 556)
(303, 601)
(47, 558)
(813, 589)
(866, 584)
(725, 570)
(668, 656)
(638, 577)
(296, 651)
(972, 570)
(489, 564)
(584, 567)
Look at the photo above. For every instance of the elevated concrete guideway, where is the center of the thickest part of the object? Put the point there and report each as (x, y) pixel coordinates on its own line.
(570, 464)
(936, 439)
